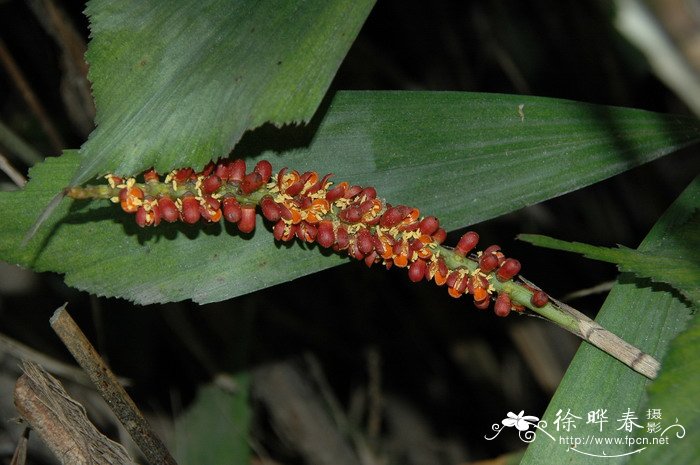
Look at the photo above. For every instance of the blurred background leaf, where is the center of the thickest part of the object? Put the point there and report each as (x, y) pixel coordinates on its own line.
(648, 316)
(214, 428)
(674, 393)
(677, 264)
(177, 83)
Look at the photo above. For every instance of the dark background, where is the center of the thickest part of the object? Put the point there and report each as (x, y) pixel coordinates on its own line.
(447, 371)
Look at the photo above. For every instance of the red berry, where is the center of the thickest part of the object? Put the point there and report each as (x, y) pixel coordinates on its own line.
(492, 249)
(429, 225)
(222, 169)
(370, 259)
(391, 217)
(442, 266)
(285, 213)
(415, 226)
(325, 236)
(325, 179)
(269, 208)
(130, 199)
(264, 169)
(482, 304)
(342, 238)
(477, 285)
(502, 306)
(232, 209)
(299, 231)
(440, 236)
(336, 192)
(148, 214)
(415, 245)
(354, 251)
(190, 210)
(211, 184)
(251, 182)
(467, 243)
(369, 193)
(364, 241)
(372, 221)
(351, 215)
(278, 229)
(539, 299)
(295, 188)
(458, 281)
(151, 176)
(208, 168)
(236, 171)
(230, 170)
(305, 202)
(307, 175)
(155, 215)
(116, 179)
(247, 222)
(290, 232)
(352, 191)
(182, 175)
(496, 251)
(310, 231)
(379, 245)
(210, 211)
(313, 189)
(508, 269)
(366, 206)
(488, 263)
(452, 278)
(168, 209)
(141, 214)
(461, 285)
(305, 232)
(416, 271)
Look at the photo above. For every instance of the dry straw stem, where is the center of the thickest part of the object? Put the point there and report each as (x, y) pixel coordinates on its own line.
(22, 352)
(300, 417)
(109, 388)
(11, 172)
(62, 422)
(595, 334)
(75, 88)
(587, 329)
(20, 455)
(8, 62)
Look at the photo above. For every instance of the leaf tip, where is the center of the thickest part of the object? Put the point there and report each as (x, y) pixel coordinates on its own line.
(43, 216)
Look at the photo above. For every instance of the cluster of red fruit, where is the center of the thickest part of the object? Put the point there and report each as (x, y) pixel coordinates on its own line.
(312, 209)
(188, 196)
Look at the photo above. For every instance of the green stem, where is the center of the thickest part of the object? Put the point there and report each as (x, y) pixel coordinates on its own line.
(567, 318)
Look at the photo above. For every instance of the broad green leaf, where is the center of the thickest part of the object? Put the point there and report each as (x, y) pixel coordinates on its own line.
(178, 82)
(647, 316)
(678, 266)
(675, 394)
(214, 429)
(462, 157)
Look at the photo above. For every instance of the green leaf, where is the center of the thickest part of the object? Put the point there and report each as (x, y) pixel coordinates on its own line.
(178, 82)
(214, 429)
(675, 394)
(678, 266)
(462, 157)
(648, 317)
